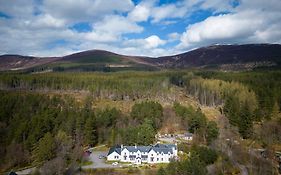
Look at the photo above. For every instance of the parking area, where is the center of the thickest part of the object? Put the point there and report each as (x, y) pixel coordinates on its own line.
(99, 162)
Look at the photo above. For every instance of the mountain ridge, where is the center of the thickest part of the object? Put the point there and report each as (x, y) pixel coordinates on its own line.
(218, 55)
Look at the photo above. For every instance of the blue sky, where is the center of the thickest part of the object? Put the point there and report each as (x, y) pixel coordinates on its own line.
(134, 27)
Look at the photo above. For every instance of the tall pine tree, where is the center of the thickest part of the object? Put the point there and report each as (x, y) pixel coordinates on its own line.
(90, 131)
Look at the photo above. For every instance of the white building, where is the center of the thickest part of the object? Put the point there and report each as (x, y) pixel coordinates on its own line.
(159, 153)
(188, 136)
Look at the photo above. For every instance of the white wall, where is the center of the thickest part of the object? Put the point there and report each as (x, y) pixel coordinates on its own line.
(112, 157)
(163, 158)
(151, 154)
(123, 153)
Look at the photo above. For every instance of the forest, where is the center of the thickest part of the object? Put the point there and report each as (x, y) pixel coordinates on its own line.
(43, 123)
(36, 128)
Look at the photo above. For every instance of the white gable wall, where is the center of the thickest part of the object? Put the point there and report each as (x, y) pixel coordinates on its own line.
(114, 156)
(163, 158)
(152, 156)
(125, 155)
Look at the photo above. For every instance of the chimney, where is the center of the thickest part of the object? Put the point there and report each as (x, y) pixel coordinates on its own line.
(136, 146)
(121, 146)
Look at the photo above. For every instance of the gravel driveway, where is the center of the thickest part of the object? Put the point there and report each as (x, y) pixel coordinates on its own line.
(167, 139)
(97, 162)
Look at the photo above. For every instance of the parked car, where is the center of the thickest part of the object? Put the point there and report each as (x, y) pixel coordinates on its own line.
(102, 156)
(115, 163)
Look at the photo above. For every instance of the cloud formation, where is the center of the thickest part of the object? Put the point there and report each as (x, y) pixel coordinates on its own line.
(149, 27)
(251, 22)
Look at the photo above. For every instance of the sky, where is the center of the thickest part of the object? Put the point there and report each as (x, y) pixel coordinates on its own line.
(134, 27)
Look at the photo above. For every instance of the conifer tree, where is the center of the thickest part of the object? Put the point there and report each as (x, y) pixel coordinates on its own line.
(90, 132)
(45, 148)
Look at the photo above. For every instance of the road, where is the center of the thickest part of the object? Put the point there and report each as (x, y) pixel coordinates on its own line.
(26, 171)
(97, 162)
(167, 139)
(94, 157)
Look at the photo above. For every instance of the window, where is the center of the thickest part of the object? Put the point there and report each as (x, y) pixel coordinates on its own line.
(125, 157)
(151, 159)
(162, 159)
(157, 159)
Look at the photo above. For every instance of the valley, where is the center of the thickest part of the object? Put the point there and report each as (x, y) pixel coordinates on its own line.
(140, 87)
(223, 110)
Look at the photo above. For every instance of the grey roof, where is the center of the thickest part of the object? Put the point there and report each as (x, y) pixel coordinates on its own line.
(159, 148)
(188, 134)
(165, 148)
(162, 150)
(137, 148)
(115, 149)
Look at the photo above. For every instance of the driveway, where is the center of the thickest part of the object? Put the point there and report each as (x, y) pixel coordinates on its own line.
(167, 139)
(97, 162)
(26, 171)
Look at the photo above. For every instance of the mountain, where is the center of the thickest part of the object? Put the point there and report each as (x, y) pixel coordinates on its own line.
(227, 57)
(248, 55)
(92, 60)
(18, 62)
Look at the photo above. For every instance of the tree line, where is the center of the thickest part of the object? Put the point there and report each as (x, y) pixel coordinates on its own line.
(118, 85)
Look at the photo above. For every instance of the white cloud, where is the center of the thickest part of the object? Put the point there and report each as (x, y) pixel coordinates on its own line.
(19, 9)
(179, 9)
(245, 25)
(117, 24)
(111, 28)
(150, 46)
(154, 41)
(218, 5)
(84, 10)
(141, 12)
(164, 13)
(46, 20)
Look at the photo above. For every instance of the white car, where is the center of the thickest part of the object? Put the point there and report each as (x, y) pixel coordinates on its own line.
(115, 163)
